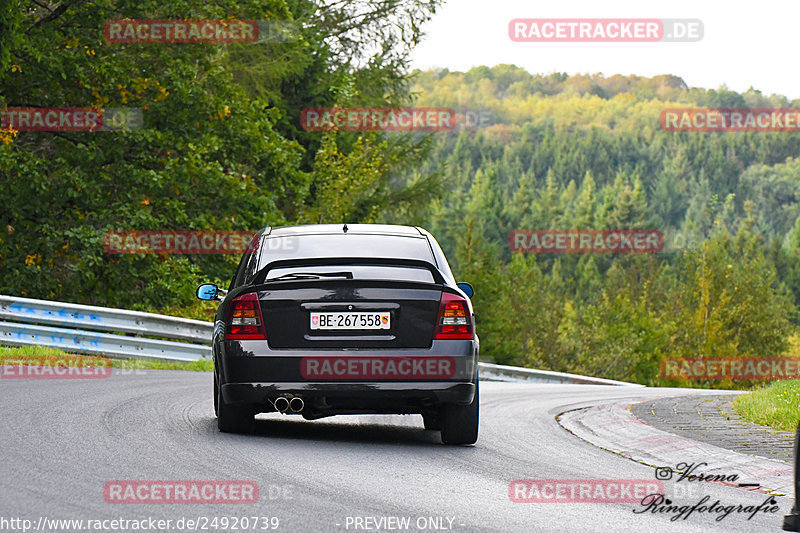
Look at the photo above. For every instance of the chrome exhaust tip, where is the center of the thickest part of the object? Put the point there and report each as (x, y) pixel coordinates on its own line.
(296, 404)
(281, 404)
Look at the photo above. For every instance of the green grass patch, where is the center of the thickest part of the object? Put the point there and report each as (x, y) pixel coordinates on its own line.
(42, 352)
(25, 352)
(197, 366)
(776, 405)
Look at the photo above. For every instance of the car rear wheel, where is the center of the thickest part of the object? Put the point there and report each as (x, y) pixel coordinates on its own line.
(216, 397)
(460, 422)
(233, 418)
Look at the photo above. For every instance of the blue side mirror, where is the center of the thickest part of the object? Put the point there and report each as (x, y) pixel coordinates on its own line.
(207, 291)
(467, 288)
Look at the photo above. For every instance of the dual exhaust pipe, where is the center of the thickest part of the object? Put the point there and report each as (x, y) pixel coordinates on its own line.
(288, 404)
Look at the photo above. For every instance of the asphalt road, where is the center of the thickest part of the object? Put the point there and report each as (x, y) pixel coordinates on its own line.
(63, 440)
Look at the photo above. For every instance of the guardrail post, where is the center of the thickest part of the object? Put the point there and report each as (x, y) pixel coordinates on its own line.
(791, 522)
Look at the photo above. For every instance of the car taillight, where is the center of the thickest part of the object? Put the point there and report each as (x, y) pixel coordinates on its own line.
(244, 318)
(455, 321)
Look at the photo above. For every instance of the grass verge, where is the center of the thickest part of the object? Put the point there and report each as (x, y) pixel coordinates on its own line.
(776, 405)
(43, 352)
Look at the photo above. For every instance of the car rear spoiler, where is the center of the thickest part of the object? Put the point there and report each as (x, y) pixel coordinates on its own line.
(261, 275)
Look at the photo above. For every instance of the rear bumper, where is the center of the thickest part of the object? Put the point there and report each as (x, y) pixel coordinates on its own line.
(250, 372)
(438, 392)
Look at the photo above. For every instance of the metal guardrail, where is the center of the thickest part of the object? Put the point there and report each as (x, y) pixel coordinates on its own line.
(27, 322)
(79, 316)
(96, 330)
(492, 372)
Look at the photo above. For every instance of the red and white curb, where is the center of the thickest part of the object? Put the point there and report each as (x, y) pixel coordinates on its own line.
(613, 428)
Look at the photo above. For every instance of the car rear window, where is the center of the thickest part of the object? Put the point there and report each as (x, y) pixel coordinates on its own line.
(398, 273)
(366, 246)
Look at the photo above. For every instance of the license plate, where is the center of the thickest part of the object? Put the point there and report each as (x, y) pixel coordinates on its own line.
(380, 320)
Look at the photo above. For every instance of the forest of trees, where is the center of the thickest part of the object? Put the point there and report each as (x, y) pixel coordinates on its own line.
(222, 148)
(565, 152)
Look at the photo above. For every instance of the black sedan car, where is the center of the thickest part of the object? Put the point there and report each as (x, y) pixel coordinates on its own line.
(321, 320)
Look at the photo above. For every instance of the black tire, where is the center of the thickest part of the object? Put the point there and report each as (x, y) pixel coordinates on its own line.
(431, 421)
(216, 396)
(460, 422)
(233, 418)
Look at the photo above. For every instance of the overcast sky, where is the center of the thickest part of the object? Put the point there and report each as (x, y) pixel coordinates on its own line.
(747, 44)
